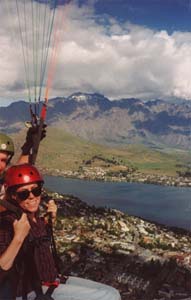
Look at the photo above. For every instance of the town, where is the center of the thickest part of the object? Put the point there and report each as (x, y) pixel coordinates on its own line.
(144, 260)
(125, 175)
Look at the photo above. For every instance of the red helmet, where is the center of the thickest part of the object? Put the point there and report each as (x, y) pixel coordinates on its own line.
(22, 174)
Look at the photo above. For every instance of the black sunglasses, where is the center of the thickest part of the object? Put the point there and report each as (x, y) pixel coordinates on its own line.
(23, 195)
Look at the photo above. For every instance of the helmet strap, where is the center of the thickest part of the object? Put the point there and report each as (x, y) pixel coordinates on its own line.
(9, 159)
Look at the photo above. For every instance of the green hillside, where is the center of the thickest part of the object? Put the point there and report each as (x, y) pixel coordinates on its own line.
(61, 150)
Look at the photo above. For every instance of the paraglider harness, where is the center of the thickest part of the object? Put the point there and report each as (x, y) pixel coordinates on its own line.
(34, 277)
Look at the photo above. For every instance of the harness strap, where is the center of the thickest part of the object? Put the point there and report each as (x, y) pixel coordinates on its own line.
(6, 204)
(52, 283)
(36, 141)
(33, 276)
(32, 272)
(50, 291)
(49, 225)
(51, 287)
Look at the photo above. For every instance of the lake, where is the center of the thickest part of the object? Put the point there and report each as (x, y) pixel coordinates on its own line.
(163, 204)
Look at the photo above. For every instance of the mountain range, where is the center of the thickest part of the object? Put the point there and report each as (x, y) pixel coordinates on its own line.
(156, 123)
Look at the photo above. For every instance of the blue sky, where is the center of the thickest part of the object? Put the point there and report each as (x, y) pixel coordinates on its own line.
(158, 14)
(119, 48)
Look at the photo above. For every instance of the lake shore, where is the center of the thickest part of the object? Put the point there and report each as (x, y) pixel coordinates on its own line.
(98, 174)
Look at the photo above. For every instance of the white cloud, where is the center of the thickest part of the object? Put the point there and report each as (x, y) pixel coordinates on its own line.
(99, 54)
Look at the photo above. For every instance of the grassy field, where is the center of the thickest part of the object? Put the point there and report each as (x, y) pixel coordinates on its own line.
(61, 150)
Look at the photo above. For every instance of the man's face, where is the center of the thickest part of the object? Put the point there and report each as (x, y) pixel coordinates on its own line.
(3, 161)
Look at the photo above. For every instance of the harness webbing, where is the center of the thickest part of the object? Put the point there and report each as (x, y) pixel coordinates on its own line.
(36, 141)
(16, 210)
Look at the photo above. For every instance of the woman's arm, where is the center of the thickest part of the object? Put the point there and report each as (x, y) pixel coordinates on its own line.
(21, 230)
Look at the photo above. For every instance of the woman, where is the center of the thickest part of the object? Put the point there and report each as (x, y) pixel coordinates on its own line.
(25, 254)
(18, 238)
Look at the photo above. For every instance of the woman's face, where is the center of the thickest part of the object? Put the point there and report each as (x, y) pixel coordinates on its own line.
(3, 161)
(25, 197)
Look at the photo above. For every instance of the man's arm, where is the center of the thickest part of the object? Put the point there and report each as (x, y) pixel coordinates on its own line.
(31, 136)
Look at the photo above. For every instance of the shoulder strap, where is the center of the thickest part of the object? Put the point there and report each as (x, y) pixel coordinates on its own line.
(57, 260)
(9, 206)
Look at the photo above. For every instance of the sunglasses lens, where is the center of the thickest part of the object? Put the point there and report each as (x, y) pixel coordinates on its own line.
(36, 191)
(23, 195)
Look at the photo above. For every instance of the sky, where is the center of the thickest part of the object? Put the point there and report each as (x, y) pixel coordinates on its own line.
(118, 48)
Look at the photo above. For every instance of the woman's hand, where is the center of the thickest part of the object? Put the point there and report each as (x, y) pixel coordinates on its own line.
(52, 208)
(21, 227)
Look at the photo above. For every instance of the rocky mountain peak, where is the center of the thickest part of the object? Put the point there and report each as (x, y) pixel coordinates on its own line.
(98, 119)
(87, 97)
